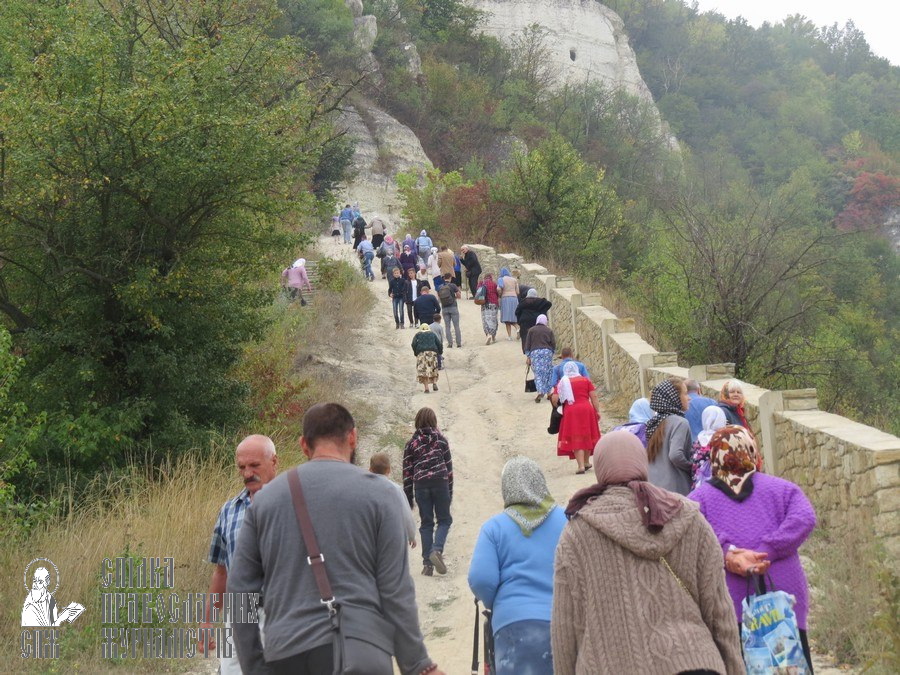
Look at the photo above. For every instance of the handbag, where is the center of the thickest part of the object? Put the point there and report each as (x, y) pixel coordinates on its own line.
(555, 419)
(530, 384)
(770, 634)
(362, 639)
(481, 295)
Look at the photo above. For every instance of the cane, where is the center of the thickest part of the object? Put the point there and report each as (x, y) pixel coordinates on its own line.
(449, 388)
(475, 645)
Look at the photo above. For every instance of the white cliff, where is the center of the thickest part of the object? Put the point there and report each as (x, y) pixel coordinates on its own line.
(587, 40)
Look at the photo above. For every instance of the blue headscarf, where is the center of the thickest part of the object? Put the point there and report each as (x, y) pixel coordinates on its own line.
(640, 411)
(504, 272)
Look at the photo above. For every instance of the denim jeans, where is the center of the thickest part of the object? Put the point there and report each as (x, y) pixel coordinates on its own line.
(368, 257)
(345, 226)
(523, 648)
(397, 304)
(433, 498)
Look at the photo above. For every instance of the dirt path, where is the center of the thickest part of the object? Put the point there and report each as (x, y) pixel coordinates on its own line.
(485, 414)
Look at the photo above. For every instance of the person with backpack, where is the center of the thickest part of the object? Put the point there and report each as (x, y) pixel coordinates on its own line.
(423, 244)
(448, 294)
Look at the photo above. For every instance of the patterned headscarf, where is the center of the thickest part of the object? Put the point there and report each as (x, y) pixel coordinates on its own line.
(734, 457)
(525, 495)
(665, 400)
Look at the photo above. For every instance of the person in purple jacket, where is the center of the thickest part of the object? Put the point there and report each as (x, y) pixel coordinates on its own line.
(760, 520)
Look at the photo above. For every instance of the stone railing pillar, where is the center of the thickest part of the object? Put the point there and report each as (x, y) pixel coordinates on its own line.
(770, 403)
(654, 360)
(609, 327)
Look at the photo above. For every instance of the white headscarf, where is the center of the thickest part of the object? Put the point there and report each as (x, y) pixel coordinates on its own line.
(299, 262)
(564, 388)
(713, 418)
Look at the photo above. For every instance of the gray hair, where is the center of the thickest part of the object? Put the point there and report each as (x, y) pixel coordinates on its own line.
(692, 385)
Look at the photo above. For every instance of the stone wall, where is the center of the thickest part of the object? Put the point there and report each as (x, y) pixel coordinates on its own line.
(851, 472)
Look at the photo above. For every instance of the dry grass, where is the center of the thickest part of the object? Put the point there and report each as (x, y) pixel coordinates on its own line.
(170, 510)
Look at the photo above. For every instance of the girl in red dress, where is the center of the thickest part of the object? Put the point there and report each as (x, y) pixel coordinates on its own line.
(579, 430)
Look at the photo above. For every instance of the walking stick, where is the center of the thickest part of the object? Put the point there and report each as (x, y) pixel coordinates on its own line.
(475, 643)
(449, 388)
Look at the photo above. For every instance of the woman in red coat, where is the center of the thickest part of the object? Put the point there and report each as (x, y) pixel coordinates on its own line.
(579, 430)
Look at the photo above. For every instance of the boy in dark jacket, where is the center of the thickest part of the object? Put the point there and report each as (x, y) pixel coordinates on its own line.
(397, 294)
(426, 305)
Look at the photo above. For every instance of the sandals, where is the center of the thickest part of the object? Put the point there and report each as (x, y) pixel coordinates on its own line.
(578, 473)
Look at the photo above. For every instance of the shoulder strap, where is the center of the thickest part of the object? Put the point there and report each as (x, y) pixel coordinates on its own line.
(315, 559)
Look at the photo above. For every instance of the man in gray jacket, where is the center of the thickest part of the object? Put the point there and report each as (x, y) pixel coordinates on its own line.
(359, 528)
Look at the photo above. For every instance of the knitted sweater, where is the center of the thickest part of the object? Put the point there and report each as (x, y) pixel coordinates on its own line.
(776, 518)
(426, 456)
(617, 609)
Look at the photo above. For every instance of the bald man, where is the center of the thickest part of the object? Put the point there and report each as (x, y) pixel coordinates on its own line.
(257, 464)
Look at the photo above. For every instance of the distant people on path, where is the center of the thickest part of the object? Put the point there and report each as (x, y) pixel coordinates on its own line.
(448, 294)
(438, 330)
(426, 347)
(335, 228)
(428, 478)
(422, 274)
(408, 259)
(295, 278)
(490, 308)
(540, 345)
(523, 288)
(579, 429)
(397, 294)
(378, 231)
(359, 527)
(697, 406)
(412, 289)
(347, 223)
(640, 412)
(426, 305)
(423, 244)
(473, 268)
(669, 437)
(389, 260)
(446, 261)
(457, 271)
(509, 301)
(566, 355)
(528, 311)
(409, 241)
(713, 419)
(366, 255)
(380, 465)
(257, 465)
(511, 571)
(760, 520)
(731, 400)
(638, 585)
(359, 230)
(432, 265)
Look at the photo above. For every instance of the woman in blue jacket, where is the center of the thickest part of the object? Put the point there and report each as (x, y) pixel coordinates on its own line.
(512, 569)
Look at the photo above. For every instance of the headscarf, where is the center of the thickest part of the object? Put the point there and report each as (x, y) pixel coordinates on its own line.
(620, 459)
(532, 293)
(388, 239)
(640, 411)
(525, 495)
(713, 419)
(664, 401)
(299, 262)
(424, 327)
(433, 250)
(564, 388)
(504, 272)
(423, 233)
(733, 458)
(542, 320)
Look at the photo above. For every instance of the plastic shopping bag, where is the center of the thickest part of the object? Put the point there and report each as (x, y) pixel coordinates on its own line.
(770, 634)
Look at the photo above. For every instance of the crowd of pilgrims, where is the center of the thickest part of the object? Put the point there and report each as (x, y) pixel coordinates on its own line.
(646, 569)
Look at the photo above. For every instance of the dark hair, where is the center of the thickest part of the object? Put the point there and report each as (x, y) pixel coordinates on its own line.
(426, 419)
(380, 463)
(346, 206)
(565, 352)
(436, 317)
(326, 420)
(425, 284)
(448, 276)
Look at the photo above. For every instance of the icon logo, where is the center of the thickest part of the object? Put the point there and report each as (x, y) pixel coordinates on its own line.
(40, 608)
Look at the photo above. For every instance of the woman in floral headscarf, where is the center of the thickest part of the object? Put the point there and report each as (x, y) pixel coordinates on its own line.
(669, 437)
(512, 569)
(760, 521)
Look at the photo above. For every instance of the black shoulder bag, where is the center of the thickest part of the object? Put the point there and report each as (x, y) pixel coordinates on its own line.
(363, 640)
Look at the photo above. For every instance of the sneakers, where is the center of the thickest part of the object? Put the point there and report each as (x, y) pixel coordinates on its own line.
(437, 559)
(427, 571)
(434, 386)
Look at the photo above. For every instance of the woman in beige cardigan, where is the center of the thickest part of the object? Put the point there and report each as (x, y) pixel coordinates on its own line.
(639, 585)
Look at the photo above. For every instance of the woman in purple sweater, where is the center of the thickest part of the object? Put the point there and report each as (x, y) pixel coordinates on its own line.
(760, 521)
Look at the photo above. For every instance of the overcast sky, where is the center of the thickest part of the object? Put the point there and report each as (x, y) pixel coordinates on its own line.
(878, 19)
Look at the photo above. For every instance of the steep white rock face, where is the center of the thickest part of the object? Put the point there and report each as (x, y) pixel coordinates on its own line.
(584, 29)
(384, 148)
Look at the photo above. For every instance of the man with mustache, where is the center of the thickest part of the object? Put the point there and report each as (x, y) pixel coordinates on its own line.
(257, 464)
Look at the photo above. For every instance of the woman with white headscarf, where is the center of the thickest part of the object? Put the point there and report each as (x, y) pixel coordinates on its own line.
(434, 268)
(539, 347)
(511, 570)
(294, 278)
(713, 419)
(579, 429)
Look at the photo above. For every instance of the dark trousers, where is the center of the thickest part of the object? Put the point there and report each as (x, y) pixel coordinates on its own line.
(409, 312)
(473, 281)
(433, 498)
(397, 304)
(313, 662)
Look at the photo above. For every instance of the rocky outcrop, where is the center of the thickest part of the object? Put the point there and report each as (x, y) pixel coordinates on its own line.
(384, 148)
(586, 39)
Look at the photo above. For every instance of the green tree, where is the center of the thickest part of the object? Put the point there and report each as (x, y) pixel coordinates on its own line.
(149, 152)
